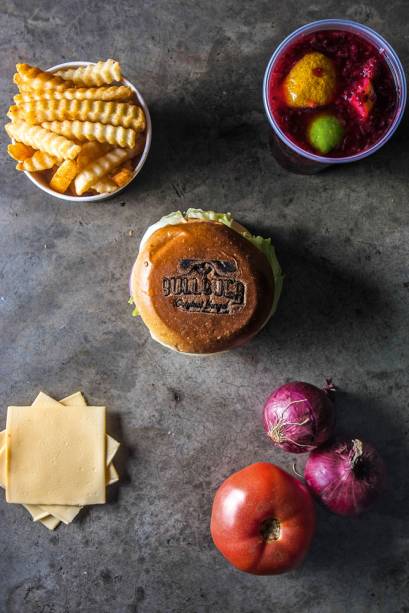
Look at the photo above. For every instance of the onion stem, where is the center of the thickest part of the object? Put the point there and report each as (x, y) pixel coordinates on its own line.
(357, 450)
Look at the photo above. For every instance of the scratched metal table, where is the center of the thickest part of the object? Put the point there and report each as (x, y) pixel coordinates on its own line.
(185, 424)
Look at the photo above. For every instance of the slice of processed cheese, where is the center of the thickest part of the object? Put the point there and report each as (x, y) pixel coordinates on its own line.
(112, 475)
(112, 448)
(65, 513)
(50, 522)
(112, 445)
(3, 466)
(36, 512)
(54, 455)
(77, 399)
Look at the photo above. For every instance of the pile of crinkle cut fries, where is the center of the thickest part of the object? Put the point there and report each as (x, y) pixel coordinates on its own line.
(79, 127)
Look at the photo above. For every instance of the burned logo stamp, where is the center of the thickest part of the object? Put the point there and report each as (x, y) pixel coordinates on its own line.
(206, 286)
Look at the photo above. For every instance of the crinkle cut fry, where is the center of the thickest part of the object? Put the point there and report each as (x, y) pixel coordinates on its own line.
(102, 166)
(94, 74)
(63, 176)
(88, 130)
(122, 176)
(39, 80)
(113, 92)
(91, 150)
(112, 113)
(22, 87)
(38, 161)
(104, 186)
(20, 152)
(43, 140)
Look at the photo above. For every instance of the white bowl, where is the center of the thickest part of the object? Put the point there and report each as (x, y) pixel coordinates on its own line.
(34, 177)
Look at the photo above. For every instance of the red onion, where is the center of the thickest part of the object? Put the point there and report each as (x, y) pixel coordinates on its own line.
(298, 416)
(347, 476)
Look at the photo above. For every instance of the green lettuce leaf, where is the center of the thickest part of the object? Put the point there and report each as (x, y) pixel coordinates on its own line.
(135, 312)
(225, 218)
(266, 247)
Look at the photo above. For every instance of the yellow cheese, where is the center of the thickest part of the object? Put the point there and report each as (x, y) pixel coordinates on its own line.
(68, 513)
(112, 445)
(36, 512)
(62, 513)
(112, 475)
(55, 455)
(3, 467)
(50, 522)
(112, 448)
(65, 514)
(78, 399)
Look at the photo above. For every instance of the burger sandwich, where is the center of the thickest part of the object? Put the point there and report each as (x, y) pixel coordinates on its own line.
(202, 283)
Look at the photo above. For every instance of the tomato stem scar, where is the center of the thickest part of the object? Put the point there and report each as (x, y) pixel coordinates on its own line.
(270, 530)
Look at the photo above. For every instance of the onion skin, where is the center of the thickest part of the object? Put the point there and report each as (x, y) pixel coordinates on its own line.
(298, 417)
(347, 476)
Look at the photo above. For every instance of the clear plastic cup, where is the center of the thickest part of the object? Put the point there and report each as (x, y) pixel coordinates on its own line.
(293, 157)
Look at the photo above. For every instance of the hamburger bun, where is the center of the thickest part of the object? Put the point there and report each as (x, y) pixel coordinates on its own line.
(200, 285)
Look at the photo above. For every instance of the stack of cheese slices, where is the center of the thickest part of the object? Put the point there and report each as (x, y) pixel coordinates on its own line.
(55, 458)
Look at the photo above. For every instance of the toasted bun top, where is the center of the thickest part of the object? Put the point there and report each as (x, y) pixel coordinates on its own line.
(201, 287)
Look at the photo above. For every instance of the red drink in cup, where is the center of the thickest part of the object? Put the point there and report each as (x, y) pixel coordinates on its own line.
(334, 92)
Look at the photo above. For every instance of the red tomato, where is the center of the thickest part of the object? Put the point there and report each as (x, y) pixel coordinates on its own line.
(263, 520)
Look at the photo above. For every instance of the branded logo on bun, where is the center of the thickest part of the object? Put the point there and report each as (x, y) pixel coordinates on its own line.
(205, 286)
(202, 283)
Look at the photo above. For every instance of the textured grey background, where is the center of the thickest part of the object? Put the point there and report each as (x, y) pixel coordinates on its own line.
(342, 238)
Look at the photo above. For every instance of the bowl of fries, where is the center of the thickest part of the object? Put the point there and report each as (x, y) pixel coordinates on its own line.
(80, 131)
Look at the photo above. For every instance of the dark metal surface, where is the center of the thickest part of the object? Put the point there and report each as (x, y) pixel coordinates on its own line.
(185, 424)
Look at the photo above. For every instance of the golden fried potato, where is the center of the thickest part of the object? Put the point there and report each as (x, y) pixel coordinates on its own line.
(94, 74)
(14, 113)
(23, 87)
(112, 113)
(101, 167)
(104, 186)
(39, 80)
(63, 176)
(80, 125)
(122, 176)
(114, 92)
(38, 161)
(20, 152)
(87, 130)
(91, 151)
(43, 140)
